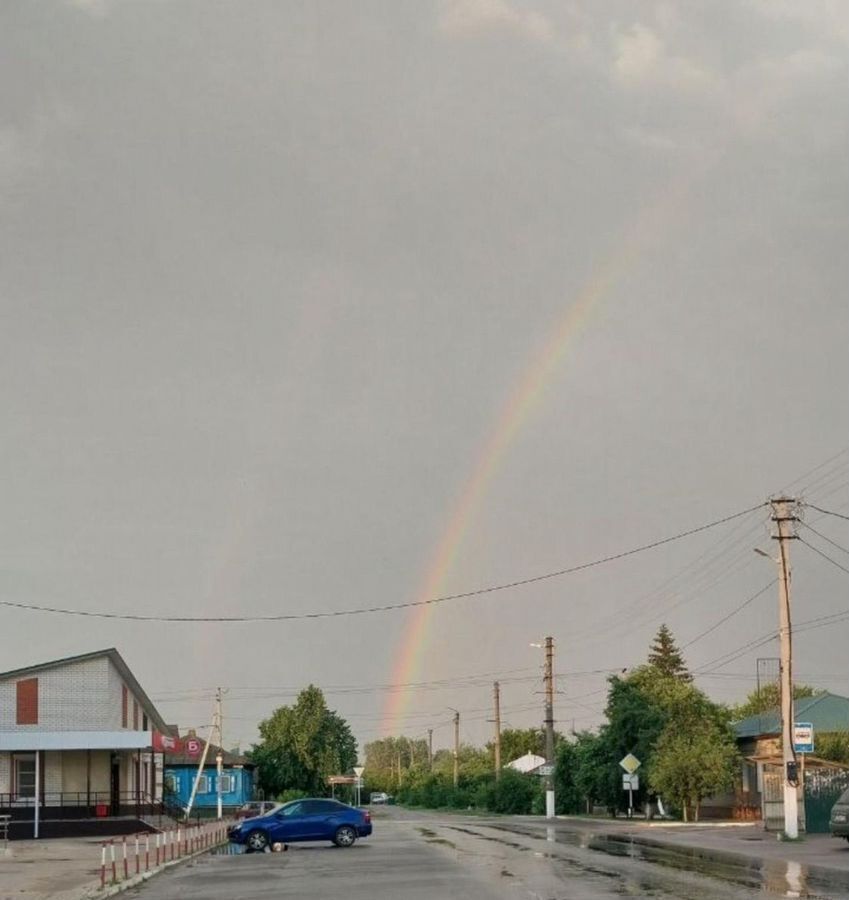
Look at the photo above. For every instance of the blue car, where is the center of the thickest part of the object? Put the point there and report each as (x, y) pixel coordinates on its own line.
(303, 820)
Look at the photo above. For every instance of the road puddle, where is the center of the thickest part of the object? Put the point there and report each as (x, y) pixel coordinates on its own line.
(778, 877)
(229, 850)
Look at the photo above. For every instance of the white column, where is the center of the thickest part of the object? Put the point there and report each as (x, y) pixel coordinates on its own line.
(37, 809)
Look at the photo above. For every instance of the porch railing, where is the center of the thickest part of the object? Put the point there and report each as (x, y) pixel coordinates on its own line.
(89, 805)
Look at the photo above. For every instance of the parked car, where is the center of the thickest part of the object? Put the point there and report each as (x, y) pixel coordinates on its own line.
(840, 816)
(304, 820)
(379, 797)
(256, 808)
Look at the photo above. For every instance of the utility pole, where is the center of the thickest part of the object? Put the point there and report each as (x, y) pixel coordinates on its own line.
(783, 514)
(412, 749)
(398, 760)
(456, 747)
(219, 757)
(430, 749)
(496, 690)
(549, 727)
(214, 732)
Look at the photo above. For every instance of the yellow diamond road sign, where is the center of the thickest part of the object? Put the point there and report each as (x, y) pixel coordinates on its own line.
(630, 763)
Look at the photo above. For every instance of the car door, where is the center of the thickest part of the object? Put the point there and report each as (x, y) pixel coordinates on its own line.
(289, 823)
(321, 819)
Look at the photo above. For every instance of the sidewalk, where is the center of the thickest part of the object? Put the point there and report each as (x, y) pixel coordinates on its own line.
(55, 869)
(742, 838)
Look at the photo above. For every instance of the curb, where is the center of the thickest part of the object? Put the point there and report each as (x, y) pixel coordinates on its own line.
(136, 880)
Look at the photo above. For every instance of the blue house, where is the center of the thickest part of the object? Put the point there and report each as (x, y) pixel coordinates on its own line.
(181, 772)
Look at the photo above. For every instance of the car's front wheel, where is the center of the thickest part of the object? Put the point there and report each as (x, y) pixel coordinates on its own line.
(345, 836)
(257, 841)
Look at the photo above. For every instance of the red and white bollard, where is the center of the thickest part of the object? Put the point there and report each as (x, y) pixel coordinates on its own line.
(147, 852)
(137, 855)
(114, 866)
(103, 865)
(124, 850)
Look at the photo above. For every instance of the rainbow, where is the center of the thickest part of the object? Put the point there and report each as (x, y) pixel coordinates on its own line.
(520, 404)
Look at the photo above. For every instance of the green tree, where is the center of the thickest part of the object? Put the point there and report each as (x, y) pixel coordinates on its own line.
(593, 778)
(384, 757)
(303, 744)
(768, 699)
(473, 762)
(516, 742)
(695, 756)
(833, 746)
(665, 656)
(566, 791)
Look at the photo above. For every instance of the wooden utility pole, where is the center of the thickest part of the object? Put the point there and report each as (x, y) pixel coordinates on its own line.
(783, 514)
(549, 727)
(496, 690)
(430, 749)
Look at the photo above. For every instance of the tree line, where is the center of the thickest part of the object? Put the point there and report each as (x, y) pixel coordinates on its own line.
(683, 739)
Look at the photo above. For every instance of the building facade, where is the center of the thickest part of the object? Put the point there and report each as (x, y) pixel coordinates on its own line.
(76, 741)
(236, 778)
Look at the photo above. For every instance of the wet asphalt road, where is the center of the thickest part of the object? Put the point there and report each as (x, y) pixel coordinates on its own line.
(413, 856)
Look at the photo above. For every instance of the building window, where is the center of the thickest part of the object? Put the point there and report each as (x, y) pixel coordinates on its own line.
(203, 784)
(124, 705)
(171, 783)
(144, 722)
(27, 701)
(225, 782)
(135, 714)
(25, 775)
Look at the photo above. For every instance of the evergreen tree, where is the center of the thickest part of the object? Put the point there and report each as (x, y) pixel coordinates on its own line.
(665, 656)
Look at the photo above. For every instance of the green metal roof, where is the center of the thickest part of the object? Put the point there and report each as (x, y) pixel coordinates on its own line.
(826, 712)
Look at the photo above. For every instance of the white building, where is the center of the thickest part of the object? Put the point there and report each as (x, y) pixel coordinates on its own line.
(76, 741)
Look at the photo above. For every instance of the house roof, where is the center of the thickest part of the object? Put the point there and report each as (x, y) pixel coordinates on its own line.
(117, 660)
(228, 759)
(826, 712)
(527, 763)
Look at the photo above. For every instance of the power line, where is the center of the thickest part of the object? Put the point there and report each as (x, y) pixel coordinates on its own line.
(329, 614)
(815, 469)
(730, 615)
(825, 538)
(824, 555)
(828, 512)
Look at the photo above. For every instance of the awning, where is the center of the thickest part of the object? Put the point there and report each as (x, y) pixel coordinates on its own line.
(24, 741)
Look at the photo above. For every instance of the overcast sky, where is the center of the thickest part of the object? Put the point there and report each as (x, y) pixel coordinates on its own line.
(270, 273)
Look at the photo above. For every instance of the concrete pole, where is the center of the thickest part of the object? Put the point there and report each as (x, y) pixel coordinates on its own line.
(219, 758)
(430, 749)
(782, 515)
(496, 690)
(456, 749)
(549, 726)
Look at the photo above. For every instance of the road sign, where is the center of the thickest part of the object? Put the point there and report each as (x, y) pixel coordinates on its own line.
(630, 763)
(193, 747)
(545, 770)
(358, 771)
(803, 737)
(630, 782)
